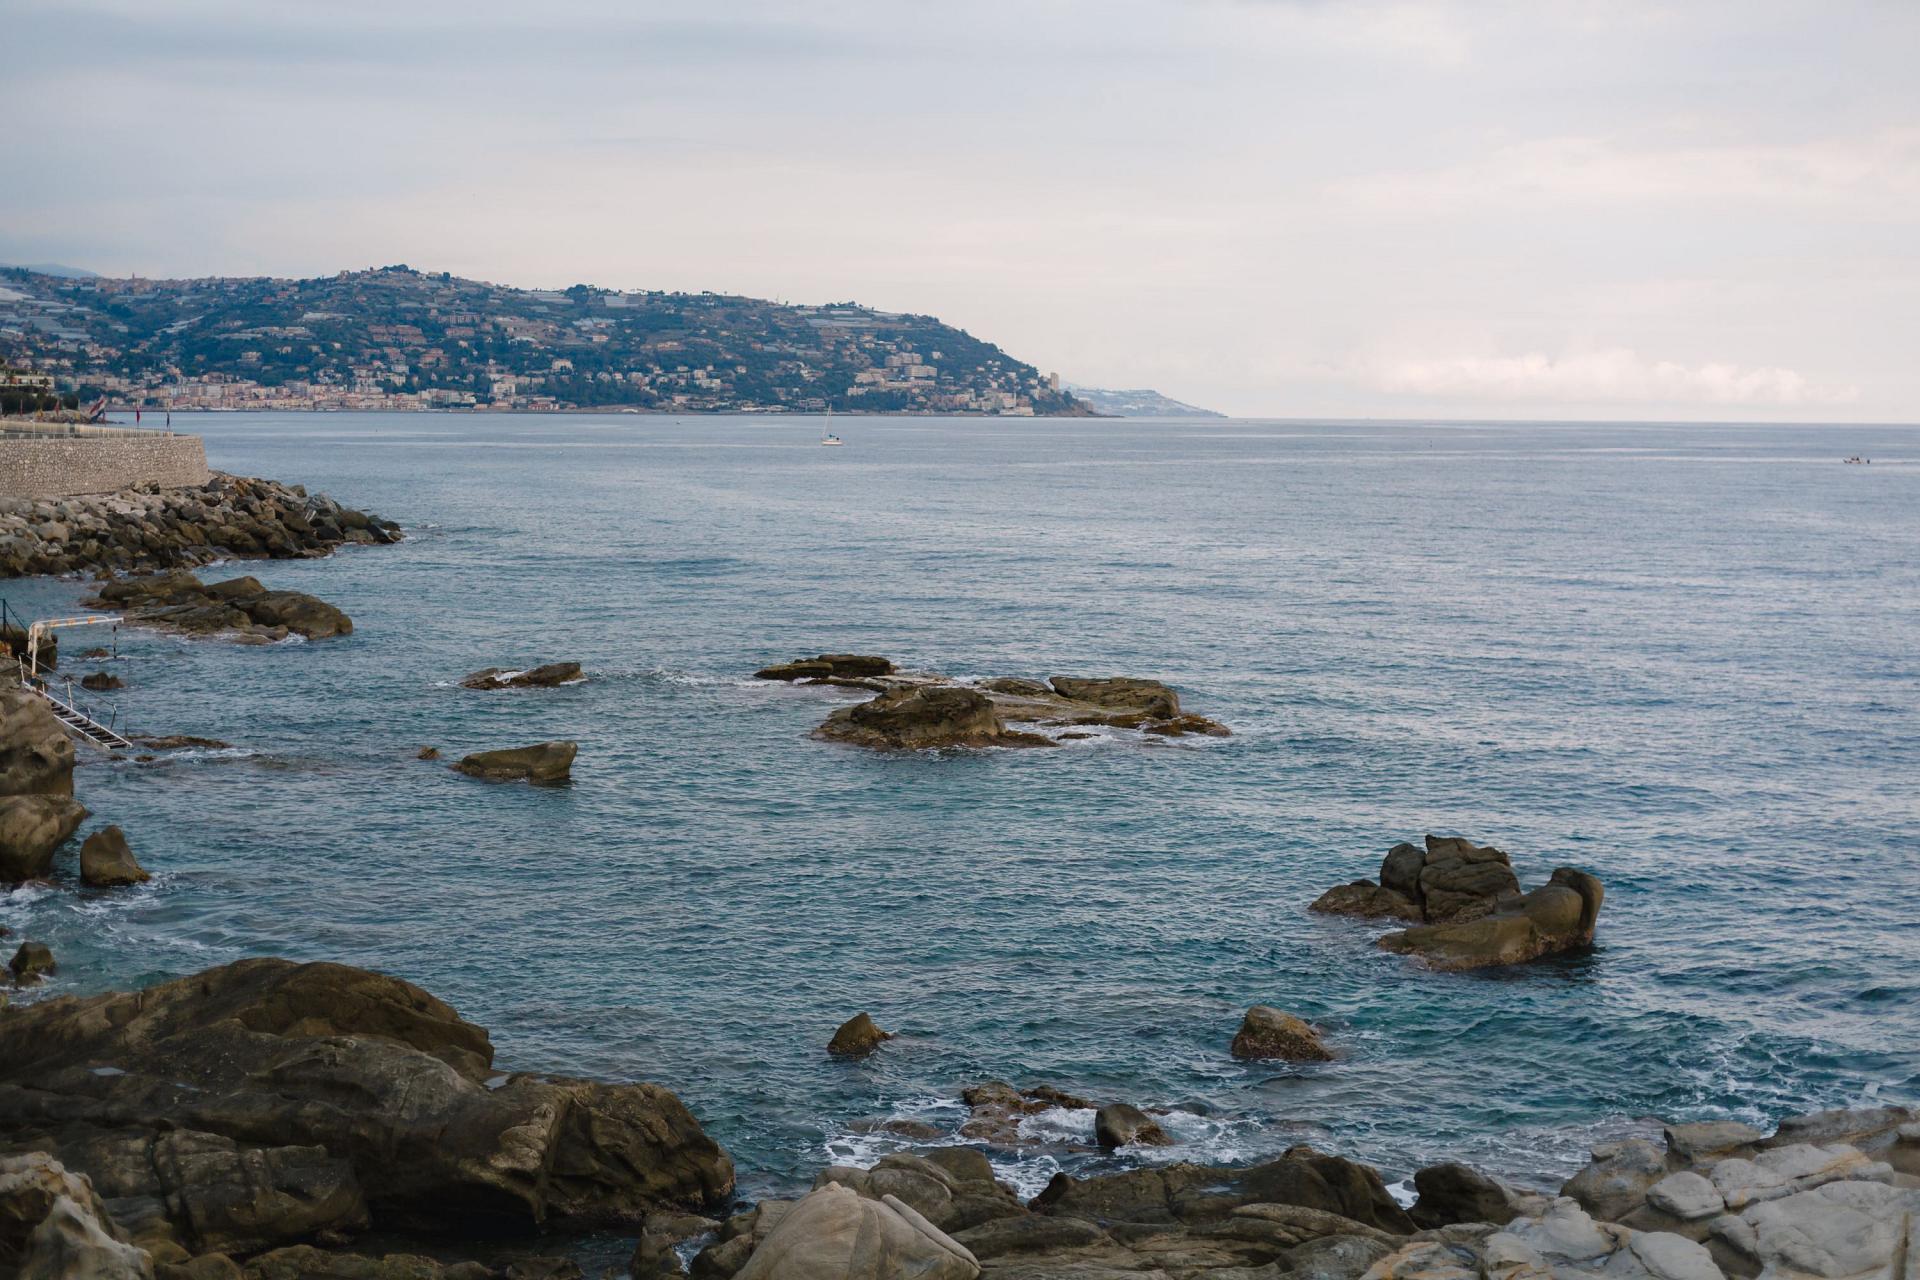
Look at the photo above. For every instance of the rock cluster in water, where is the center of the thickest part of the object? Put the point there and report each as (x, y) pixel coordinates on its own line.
(1467, 903)
(148, 528)
(919, 710)
(236, 607)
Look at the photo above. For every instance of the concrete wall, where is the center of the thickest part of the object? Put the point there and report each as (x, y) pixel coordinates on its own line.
(55, 467)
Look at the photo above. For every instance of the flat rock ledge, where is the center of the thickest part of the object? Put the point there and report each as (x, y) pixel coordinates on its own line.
(543, 764)
(1466, 906)
(922, 710)
(548, 676)
(145, 529)
(239, 608)
(241, 1115)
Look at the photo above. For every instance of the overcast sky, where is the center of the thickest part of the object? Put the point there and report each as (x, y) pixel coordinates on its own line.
(1607, 209)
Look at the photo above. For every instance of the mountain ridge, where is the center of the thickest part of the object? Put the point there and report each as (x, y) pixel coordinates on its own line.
(397, 338)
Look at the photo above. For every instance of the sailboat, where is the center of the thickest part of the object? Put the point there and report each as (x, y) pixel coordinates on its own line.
(827, 437)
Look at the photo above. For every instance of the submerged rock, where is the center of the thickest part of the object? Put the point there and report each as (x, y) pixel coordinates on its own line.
(107, 862)
(857, 1037)
(544, 763)
(1266, 1032)
(264, 1101)
(550, 676)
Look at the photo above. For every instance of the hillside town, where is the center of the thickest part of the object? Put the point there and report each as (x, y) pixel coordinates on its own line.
(399, 339)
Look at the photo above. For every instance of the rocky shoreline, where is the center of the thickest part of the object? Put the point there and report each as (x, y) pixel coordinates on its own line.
(150, 529)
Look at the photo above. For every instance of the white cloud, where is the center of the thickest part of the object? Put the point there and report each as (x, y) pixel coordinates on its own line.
(1616, 376)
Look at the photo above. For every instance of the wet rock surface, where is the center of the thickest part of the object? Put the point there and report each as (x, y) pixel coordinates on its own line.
(545, 764)
(1266, 1032)
(1467, 908)
(857, 1037)
(550, 676)
(920, 710)
(147, 529)
(106, 860)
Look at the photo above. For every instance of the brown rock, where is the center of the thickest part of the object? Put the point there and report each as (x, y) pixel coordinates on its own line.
(1120, 1124)
(427, 753)
(1268, 1033)
(32, 962)
(1149, 698)
(550, 676)
(102, 681)
(1558, 916)
(31, 828)
(857, 1037)
(106, 861)
(846, 666)
(925, 717)
(1367, 900)
(36, 755)
(545, 763)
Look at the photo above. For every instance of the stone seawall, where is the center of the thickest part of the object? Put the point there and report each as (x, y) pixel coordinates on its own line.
(62, 467)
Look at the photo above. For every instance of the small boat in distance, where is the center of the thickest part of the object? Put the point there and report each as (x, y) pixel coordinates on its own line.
(827, 437)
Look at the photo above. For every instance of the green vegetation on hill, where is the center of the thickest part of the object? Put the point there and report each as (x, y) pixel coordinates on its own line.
(399, 338)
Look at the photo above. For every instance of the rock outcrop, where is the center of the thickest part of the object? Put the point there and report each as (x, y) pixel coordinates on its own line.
(835, 1234)
(107, 862)
(920, 710)
(550, 676)
(31, 962)
(918, 719)
(1266, 1032)
(54, 1227)
(996, 1109)
(238, 607)
(147, 529)
(857, 1037)
(263, 1103)
(1466, 904)
(36, 755)
(544, 763)
(31, 828)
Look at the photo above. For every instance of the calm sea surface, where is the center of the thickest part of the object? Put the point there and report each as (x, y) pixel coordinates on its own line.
(1685, 658)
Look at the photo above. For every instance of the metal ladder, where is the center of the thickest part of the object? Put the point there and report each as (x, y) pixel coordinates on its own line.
(78, 723)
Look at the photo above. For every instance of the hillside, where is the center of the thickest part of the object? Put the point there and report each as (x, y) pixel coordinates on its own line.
(1140, 403)
(396, 338)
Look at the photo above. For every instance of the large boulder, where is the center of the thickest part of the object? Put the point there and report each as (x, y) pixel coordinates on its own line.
(107, 862)
(240, 606)
(1121, 1124)
(31, 962)
(1450, 1193)
(835, 1234)
(31, 828)
(544, 763)
(1266, 1032)
(925, 717)
(371, 1072)
(53, 1226)
(36, 754)
(1189, 1193)
(952, 1187)
(857, 1037)
(1558, 916)
(1460, 879)
(1148, 698)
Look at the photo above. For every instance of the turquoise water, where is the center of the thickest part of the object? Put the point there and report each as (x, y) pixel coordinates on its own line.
(1685, 658)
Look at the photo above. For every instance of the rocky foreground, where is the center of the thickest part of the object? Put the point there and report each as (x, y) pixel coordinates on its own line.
(922, 710)
(149, 529)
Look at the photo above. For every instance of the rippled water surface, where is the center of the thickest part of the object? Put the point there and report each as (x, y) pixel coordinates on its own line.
(1685, 658)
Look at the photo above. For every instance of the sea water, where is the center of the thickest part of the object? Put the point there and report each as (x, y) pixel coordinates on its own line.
(1685, 658)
